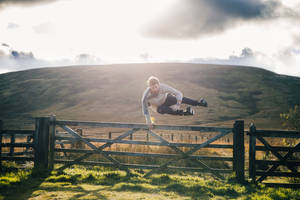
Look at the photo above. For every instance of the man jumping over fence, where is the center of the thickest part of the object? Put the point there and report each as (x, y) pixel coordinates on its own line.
(166, 100)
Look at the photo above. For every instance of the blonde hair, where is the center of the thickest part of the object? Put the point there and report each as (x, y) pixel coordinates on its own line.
(152, 80)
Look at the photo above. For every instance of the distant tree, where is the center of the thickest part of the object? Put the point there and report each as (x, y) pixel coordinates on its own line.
(291, 120)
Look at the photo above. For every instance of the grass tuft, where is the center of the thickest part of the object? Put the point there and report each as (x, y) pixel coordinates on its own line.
(161, 180)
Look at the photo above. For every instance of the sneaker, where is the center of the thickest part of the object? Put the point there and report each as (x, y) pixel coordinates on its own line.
(202, 102)
(189, 111)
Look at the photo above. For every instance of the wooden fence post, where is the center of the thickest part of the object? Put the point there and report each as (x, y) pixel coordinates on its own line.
(52, 141)
(239, 150)
(41, 143)
(252, 145)
(1, 128)
(12, 142)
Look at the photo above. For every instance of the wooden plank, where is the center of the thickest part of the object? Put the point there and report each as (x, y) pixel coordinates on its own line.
(17, 145)
(11, 158)
(140, 166)
(276, 148)
(17, 132)
(19, 153)
(222, 146)
(252, 154)
(276, 133)
(144, 154)
(273, 162)
(278, 174)
(12, 142)
(142, 126)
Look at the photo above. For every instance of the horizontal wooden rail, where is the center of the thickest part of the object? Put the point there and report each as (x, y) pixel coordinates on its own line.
(225, 146)
(273, 162)
(263, 148)
(13, 158)
(275, 133)
(21, 132)
(142, 126)
(137, 166)
(17, 145)
(144, 154)
(18, 153)
(285, 174)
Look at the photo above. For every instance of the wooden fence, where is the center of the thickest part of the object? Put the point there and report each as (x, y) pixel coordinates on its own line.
(11, 154)
(277, 164)
(46, 140)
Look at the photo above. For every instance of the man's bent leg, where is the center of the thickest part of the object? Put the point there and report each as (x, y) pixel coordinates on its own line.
(193, 102)
(189, 101)
(167, 110)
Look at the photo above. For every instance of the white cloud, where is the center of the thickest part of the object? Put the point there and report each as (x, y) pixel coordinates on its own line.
(44, 28)
(198, 18)
(285, 62)
(86, 59)
(109, 31)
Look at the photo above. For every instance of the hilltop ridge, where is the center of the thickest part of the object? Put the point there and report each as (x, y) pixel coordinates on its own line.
(113, 93)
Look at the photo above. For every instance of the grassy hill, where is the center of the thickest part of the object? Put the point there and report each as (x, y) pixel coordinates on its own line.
(113, 93)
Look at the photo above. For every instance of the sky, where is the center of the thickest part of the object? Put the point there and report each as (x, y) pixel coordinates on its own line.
(46, 33)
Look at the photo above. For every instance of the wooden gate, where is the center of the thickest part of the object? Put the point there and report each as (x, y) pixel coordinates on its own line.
(271, 167)
(103, 145)
(48, 141)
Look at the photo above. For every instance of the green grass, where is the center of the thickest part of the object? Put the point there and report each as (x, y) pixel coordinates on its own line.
(105, 183)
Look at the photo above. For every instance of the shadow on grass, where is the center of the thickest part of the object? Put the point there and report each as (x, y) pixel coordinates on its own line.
(24, 185)
(84, 184)
(41, 182)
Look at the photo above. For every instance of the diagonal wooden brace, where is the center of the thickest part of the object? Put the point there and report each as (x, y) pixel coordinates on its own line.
(99, 150)
(211, 140)
(185, 155)
(282, 159)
